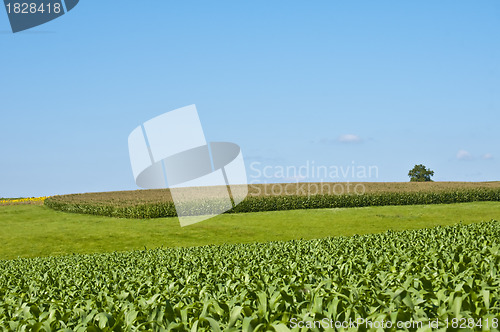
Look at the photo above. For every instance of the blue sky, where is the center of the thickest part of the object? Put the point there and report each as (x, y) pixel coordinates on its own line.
(384, 83)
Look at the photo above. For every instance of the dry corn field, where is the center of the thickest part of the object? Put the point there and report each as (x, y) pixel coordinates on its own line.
(137, 197)
(274, 197)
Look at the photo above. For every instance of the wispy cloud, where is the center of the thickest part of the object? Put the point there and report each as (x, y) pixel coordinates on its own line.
(349, 138)
(346, 138)
(487, 156)
(464, 155)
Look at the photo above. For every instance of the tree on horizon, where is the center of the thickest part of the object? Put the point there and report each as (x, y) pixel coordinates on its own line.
(420, 173)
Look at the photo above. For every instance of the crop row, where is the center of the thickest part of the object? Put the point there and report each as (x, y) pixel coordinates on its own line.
(271, 203)
(421, 275)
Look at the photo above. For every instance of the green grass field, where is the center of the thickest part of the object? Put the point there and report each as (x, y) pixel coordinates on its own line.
(31, 230)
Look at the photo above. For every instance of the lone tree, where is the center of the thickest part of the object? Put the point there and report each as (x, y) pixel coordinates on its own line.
(420, 173)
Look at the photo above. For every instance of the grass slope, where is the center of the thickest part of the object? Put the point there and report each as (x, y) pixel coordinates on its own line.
(31, 231)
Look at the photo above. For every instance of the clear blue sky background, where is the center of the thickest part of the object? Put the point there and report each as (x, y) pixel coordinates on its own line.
(411, 82)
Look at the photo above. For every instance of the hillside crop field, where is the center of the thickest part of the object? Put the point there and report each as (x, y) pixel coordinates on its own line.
(134, 197)
(409, 279)
(275, 197)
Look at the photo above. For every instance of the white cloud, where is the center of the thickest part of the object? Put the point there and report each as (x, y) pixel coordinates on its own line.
(487, 156)
(349, 138)
(464, 155)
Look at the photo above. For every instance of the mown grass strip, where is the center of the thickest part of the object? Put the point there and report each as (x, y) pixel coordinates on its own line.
(34, 231)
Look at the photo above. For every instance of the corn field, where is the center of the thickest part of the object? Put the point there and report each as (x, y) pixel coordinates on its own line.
(157, 204)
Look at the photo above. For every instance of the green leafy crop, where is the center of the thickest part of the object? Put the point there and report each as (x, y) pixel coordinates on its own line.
(443, 273)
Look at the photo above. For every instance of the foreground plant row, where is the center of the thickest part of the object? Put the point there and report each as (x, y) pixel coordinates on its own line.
(158, 209)
(440, 273)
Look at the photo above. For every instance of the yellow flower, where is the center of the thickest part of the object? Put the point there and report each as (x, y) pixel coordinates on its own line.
(21, 200)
